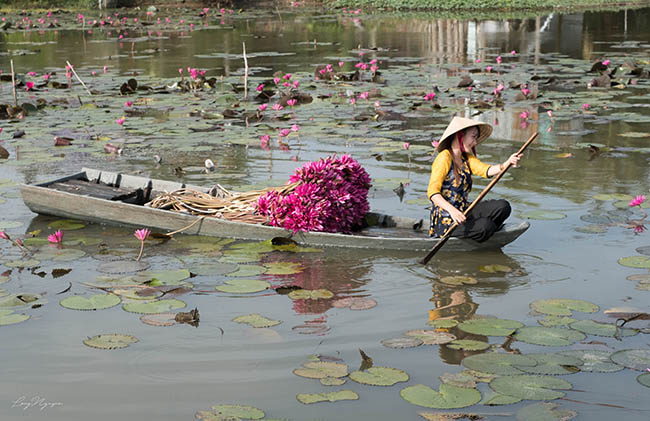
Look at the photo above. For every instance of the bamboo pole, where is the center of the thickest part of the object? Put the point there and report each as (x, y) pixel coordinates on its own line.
(245, 74)
(78, 78)
(13, 83)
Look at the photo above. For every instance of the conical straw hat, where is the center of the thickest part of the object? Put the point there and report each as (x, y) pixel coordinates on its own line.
(460, 123)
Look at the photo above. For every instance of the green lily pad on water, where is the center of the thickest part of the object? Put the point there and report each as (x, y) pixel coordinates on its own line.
(490, 327)
(322, 369)
(468, 345)
(283, 268)
(543, 215)
(544, 411)
(341, 395)
(212, 268)
(636, 359)
(94, 302)
(332, 381)
(548, 336)
(59, 254)
(591, 327)
(256, 320)
(563, 307)
(641, 262)
(230, 412)
(66, 225)
(21, 300)
(497, 363)
(8, 317)
(310, 294)
(493, 398)
(530, 386)
(592, 229)
(159, 319)
(594, 360)
(401, 343)
(463, 379)
(644, 379)
(24, 263)
(552, 321)
(443, 323)
(431, 337)
(110, 341)
(553, 364)
(458, 280)
(151, 307)
(495, 268)
(379, 376)
(243, 286)
(164, 277)
(449, 396)
(123, 266)
(248, 270)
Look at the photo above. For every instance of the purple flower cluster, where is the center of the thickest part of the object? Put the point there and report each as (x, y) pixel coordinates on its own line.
(332, 196)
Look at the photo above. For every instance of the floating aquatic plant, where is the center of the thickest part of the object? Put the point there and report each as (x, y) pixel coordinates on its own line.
(110, 341)
(448, 397)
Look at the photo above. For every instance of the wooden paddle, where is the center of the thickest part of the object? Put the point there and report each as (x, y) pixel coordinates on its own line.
(485, 191)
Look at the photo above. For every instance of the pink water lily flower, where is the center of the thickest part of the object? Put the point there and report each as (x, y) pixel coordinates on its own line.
(488, 68)
(142, 235)
(513, 52)
(285, 132)
(29, 86)
(639, 229)
(292, 102)
(585, 106)
(32, 74)
(120, 120)
(499, 60)
(128, 103)
(263, 107)
(637, 201)
(276, 80)
(430, 96)
(277, 107)
(550, 113)
(295, 128)
(524, 115)
(287, 76)
(606, 63)
(4, 235)
(406, 145)
(46, 76)
(341, 64)
(55, 238)
(260, 87)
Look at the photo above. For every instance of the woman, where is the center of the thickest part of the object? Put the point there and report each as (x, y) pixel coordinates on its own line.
(451, 182)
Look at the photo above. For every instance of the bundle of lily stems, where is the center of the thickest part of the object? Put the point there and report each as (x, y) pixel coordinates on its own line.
(218, 202)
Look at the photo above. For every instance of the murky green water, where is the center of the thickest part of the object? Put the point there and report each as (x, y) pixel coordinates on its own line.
(172, 372)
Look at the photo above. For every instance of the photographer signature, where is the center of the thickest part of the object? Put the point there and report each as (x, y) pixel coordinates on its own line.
(35, 402)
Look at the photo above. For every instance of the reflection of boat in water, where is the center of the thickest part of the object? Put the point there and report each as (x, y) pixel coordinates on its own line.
(113, 198)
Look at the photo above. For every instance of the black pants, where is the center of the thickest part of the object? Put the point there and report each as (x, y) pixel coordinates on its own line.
(484, 220)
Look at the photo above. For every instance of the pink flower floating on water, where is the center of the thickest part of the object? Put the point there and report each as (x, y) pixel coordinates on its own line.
(488, 68)
(637, 201)
(32, 74)
(524, 115)
(285, 132)
(639, 229)
(406, 145)
(263, 107)
(260, 87)
(55, 238)
(277, 107)
(295, 128)
(29, 86)
(430, 96)
(332, 196)
(120, 120)
(264, 141)
(499, 60)
(292, 102)
(585, 106)
(606, 62)
(128, 103)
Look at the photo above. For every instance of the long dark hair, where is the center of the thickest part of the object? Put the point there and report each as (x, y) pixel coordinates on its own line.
(456, 165)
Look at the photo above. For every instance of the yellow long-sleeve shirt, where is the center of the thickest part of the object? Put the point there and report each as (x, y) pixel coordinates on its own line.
(442, 164)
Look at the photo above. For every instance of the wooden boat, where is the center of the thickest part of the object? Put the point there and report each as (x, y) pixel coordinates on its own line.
(112, 198)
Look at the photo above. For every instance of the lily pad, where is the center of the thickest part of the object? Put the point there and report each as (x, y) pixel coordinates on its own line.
(592, 229)
(310, 294)
(443, 323)
(543, 215)
(530, 386)
(355, 303)
(642, 262)
(283, 268)
(332, 381)
(59, 254)
(110, 341)
(490, 327)
(431, 337)
(458, 280)
(230, 412)
(341, 395)
(379, 376)
(248, 270)
(123, 266)
(468, 345)
(644, 379)
(591, 327)
(553, 364)
(449, 396)
(544, 411)
(636, 359)
(94, 302)
(463, 379)
(256, 320)
(66, 225)
(495, 268)
(497, 363)
(563, 307)
(551, 321)
(548, 336)
(151, 307)
(492, 398)
(212, 268)
(23, 263)
(159, 319)
(401, 343)
(322, 369)
(594, 360)
(163, 277)
(21, 300)
(243, 286)
(8, 317)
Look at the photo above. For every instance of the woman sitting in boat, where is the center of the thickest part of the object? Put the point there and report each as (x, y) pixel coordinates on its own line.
(451, 182)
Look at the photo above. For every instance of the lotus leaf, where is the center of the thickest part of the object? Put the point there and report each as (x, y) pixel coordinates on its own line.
(479, 376)
(159, 319)
(401, 342)
(642, 262)
(332, 381)
(490, 327)
(468, 345)
(283, 268)
(341, 395)
(66, 225)
(212, 268)
(458, 280)
(256, 320)
(548, 336)
(443, 323)
(431, 337)
(495, 268)
(21, 300)
(463, 379)
(379, 376)
(553, 364)
(248, 270)
(123, 266)
(551, 321)
(636, 359)
(594, 360)
(493, 398)
(230, 412)
(563, 307)
(543, 215)
(8, 317)
(94, 302)
(496, 363)
(165, 277)
(544, 411)
(59, 254)
(24, 263)
(592, 229)
(449, 396)
(110, 341)
(530, 386)
(151, 307)
(355, 303)
(322, 369)
(644, 379)
(591, 327)
(243, 286)
(310, 294)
